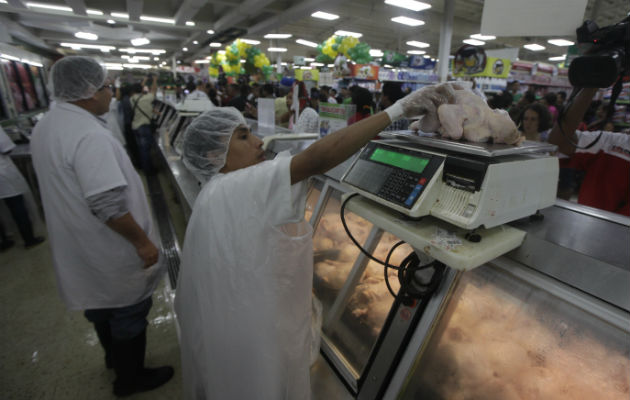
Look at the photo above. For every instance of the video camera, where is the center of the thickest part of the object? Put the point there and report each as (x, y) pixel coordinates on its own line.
(607, 57)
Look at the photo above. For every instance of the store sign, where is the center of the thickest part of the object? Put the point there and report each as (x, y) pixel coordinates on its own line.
(494, 68)
(364, 71)
(307, 74)
(333, 117)
(298, 60)
(187, 69)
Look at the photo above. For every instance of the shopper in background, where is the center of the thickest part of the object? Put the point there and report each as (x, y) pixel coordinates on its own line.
(198, 93)
(514, 88)
(333, 95)
(266, 92)
(500, 101)
(606, 164)
(99, 222)
(362, 100)
(561, 97)
(516, 110)
(236, 100)
(535, 122)
(308, 118)
(142, 107)
(123, 94)
(391, 93)
(549, 100)
(13, 188)
(244, 290)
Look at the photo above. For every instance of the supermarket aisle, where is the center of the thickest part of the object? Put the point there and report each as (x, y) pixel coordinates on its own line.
(48, 352)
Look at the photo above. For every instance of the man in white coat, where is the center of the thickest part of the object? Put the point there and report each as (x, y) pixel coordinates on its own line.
(98, 220)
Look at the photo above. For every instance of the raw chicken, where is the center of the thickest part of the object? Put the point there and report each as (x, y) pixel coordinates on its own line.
(471, 118)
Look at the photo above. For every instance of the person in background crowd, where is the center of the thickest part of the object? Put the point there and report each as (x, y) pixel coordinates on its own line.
(345, 97)
(236, 99)
(213, 94)
(13, 188)
(605, 163)
(535, 122)
(244, 290)
(333, 95)
(501, 101)
(198, 93)
(517, 110)
(514, 88)
(282, 111)
(99, 222)
(327, 95)
(142, 107)
(266, 92)
(601, 118)
(314, 99)
(253, 96)
(124, 94)
(560, 99)
(391, 93)
(549, 100)
(308, 118)
(362, 99)
(190, 87)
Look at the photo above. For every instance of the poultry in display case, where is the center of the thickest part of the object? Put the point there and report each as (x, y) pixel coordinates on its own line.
(502, 338)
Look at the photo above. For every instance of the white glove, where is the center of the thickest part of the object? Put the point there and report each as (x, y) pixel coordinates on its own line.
(117, 82)
(424, 101)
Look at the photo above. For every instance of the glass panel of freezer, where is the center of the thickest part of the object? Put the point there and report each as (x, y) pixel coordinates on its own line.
(502, 338)
(311, 198)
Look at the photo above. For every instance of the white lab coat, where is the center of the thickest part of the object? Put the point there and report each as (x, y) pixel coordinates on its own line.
(75, 157)
(243, 297)
(197, 95)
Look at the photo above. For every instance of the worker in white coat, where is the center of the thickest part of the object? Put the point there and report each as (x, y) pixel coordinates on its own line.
(13, 189)
(244, 291)
(99, 222)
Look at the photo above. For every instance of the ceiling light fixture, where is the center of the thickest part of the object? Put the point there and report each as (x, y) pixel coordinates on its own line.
(276, 49)
(348, 33)
(324, 15)
(48, 7)
(156, 58)
(133, 50)
(534, 47)
(558, 58)
(415, 43)
(416, 52)
(479, 36)
(560, 42)
(86, 36)
(8, 57)
(195, 42)
(221, 52)
(306, 43)
(376, 53)
(102, 48)
(215, 44)
(306, 68)
(140, 41)
(157, 19)
(141, 66)
(111, 21)
(94, 12)
(202, 61)
(474, 42)
(426, 56)
(190, 23)
(316, 64)
(309, 59)
(409, 4)
(278, 36)
(119, 15)
(250, 41)
(408, 21)
(210, 32)
(330, 65)
(185, 49)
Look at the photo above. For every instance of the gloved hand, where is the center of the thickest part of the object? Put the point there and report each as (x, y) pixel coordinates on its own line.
(117, 82)
(424, 101)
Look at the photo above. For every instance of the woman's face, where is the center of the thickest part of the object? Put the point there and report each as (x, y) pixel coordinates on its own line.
(244, 151)
(530, 122)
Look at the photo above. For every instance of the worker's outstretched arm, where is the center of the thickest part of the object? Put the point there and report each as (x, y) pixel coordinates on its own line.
(333, 149)
(571, 118)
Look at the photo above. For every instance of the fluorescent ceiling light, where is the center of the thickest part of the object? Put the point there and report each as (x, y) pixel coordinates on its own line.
(560, 42)
(331, 65)
(283, 63)
(416, 52)
(157, 19)
(408, 21)
(210, 32)
(305, 68)
(202, 61)
(215, 44)
(479, 36)
(415, 43)
(276, 49)
(111, 21)
(140, 41)
(388, 66)
(3, 1)
(119, 15)
(243, 61)
(348, 33)
(86, 35)
(8, 57)
(128, 57)
(221, 52)
(559, 58)
(132, 50)
(250, 41)
(376, 53)
(324, 15)
(185, 49)
(94, 12)
(474, 42)
(316, 64)
(156, 58)
(278, 36)
(409, 4)
(34, 63)
(88, 46)
(190, 23)
(306, 43)
(534, 47)
(141, 66)
(195, 42)
(49, 7)
(309, 59)
(426, 56)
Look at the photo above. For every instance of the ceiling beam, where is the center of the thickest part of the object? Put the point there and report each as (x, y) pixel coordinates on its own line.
(134, 9)
(246, 9)
(16, 3)
(78, 6)
(294, 13)
(18, 31)
(188, 10)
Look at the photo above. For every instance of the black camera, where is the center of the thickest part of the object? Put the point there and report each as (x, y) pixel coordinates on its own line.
(606, 58)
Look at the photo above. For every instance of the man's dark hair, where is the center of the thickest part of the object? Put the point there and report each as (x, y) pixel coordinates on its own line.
(362, 98)
(551, 98)
(393, 91)
(190, 86)
(501, 100)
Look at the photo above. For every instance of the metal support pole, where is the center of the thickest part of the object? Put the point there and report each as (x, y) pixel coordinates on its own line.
(446, 34)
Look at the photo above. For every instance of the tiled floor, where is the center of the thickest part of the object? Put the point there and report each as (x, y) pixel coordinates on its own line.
(48, 352)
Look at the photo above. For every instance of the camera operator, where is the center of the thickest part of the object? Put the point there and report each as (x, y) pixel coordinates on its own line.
(606, 164)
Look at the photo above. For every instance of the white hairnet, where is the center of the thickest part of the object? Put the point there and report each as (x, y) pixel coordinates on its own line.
(207, 139)
(75, 78)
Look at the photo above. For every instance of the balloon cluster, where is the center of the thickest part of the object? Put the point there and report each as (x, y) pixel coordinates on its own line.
(230, 61)
(348, 46)
(393, 58)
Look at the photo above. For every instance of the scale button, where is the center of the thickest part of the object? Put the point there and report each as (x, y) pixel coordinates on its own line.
(422, 181)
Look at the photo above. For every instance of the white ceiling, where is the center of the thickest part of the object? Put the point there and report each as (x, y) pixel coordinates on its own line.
(44, 29)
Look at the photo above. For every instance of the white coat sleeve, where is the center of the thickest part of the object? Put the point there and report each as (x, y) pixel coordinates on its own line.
(96, 166)
(6, 144)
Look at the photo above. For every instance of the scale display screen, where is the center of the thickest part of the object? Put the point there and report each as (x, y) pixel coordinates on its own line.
(400, 160)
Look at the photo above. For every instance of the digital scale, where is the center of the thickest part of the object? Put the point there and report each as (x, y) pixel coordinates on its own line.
(456, 197)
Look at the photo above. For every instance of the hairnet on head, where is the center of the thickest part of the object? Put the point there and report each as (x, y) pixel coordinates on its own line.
(207, 139)
(75, 78)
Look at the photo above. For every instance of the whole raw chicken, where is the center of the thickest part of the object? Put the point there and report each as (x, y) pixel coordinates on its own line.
(471, 118)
